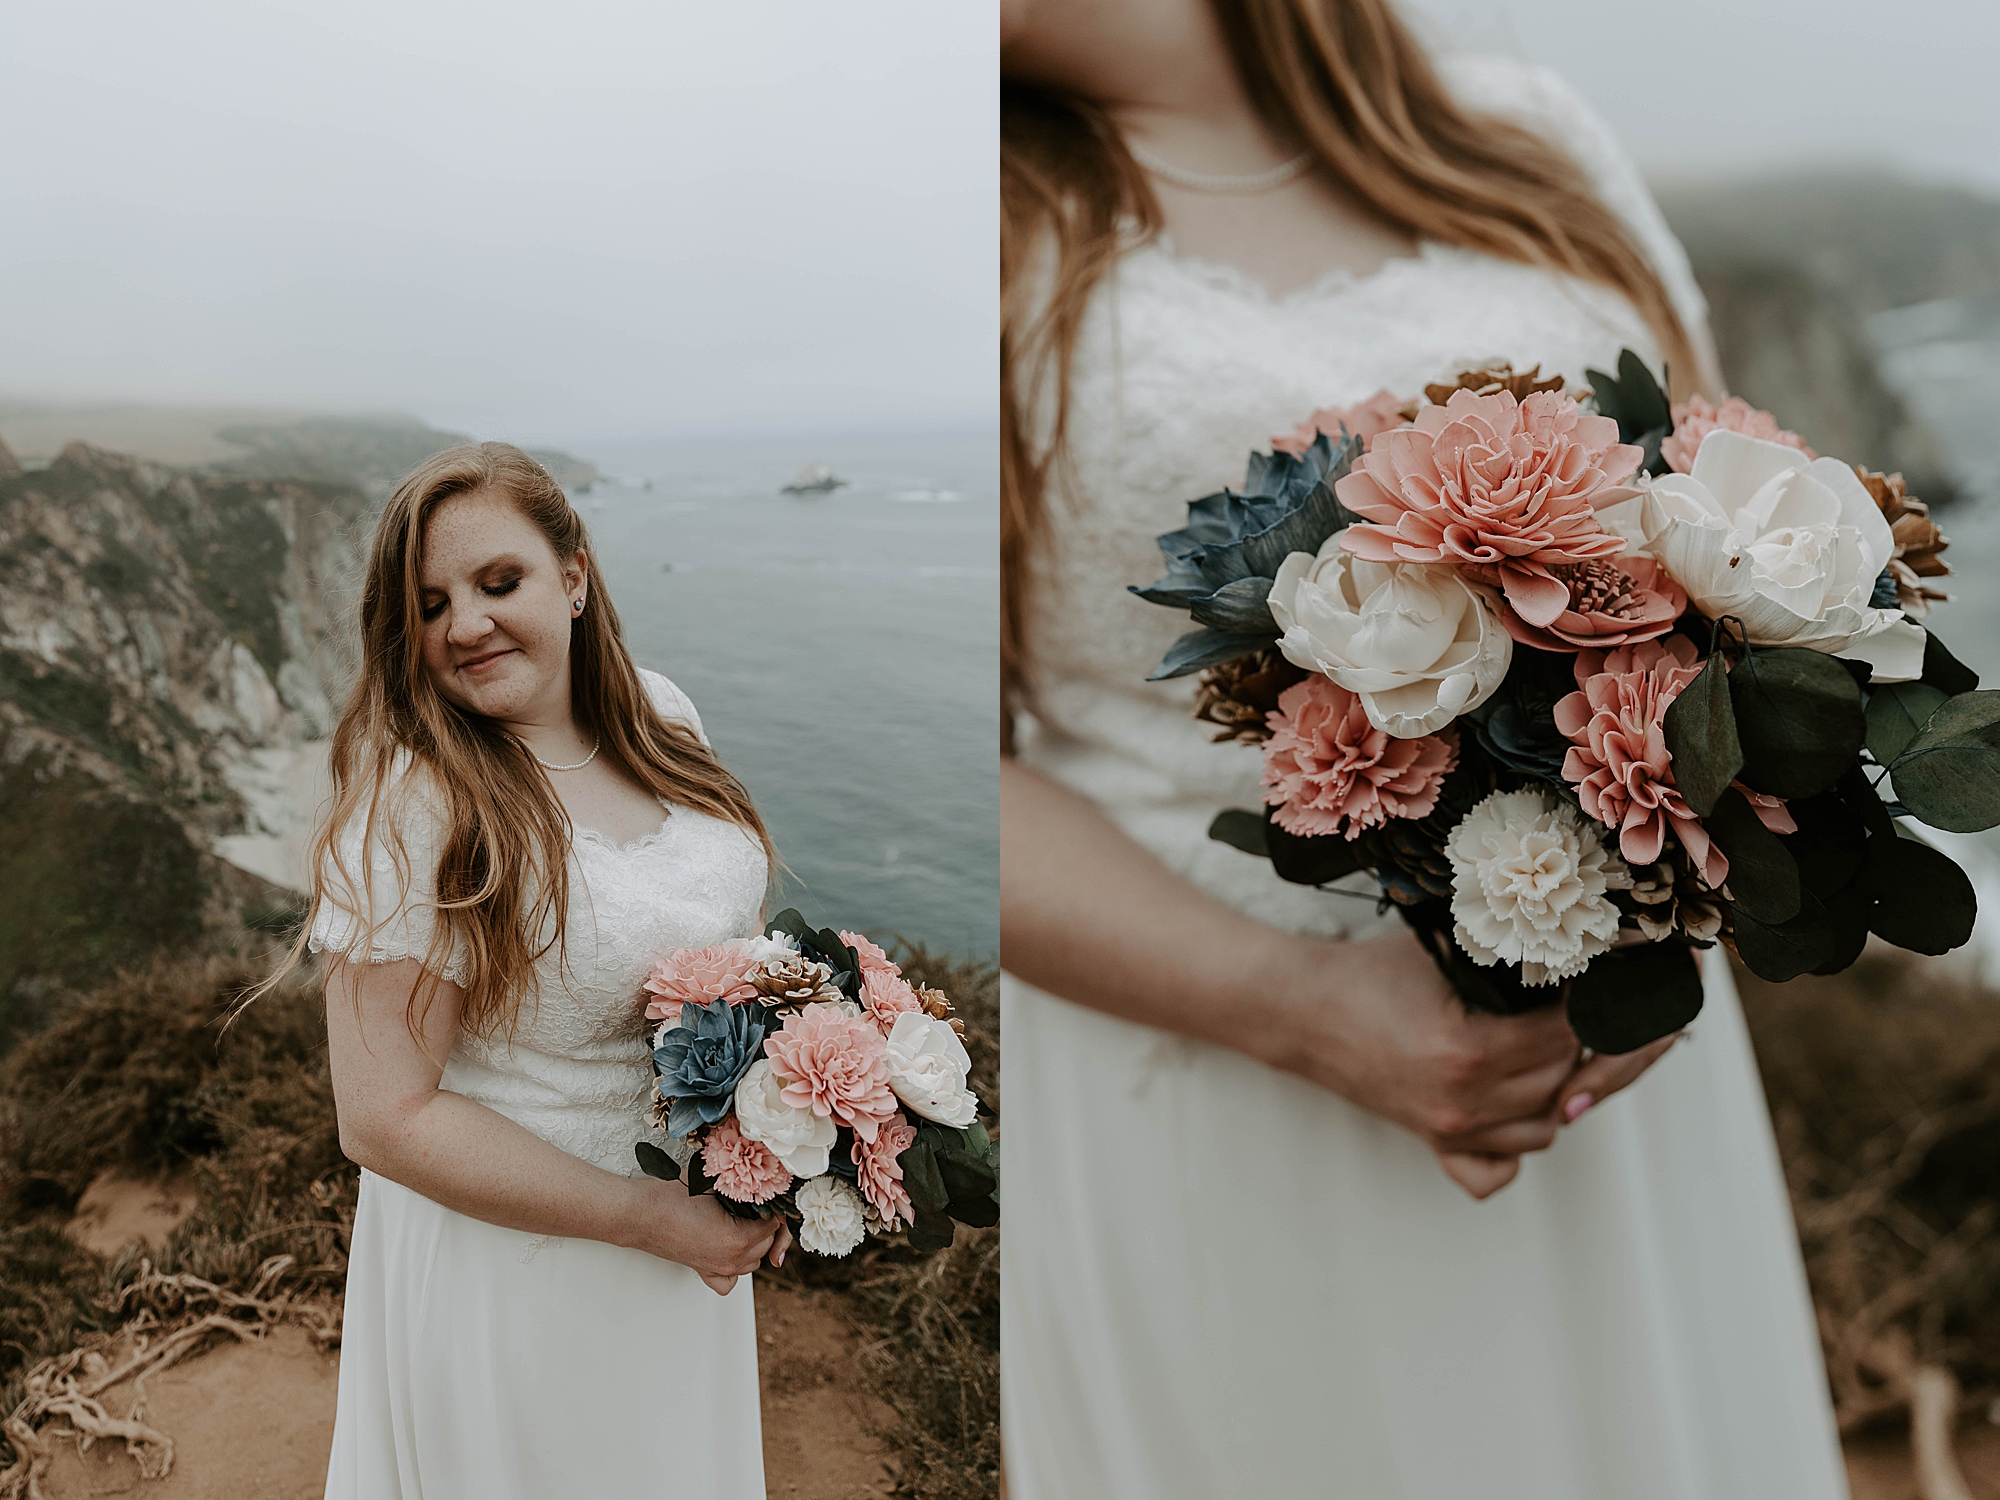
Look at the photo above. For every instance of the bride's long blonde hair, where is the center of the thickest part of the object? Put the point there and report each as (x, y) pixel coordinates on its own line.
(1345, 78)
(502, 876)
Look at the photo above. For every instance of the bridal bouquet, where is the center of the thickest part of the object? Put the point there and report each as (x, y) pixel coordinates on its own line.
(1587, 680)
(803, 1075)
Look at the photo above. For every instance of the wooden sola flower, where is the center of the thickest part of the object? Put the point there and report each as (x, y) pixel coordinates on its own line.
(1506, 490)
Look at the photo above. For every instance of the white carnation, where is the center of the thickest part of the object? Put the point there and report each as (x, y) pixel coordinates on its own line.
(799, 1138)
(1528, 882)
(833, 1218)
(927, 1069)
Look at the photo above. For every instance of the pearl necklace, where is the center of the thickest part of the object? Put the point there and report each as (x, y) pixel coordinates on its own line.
(1204, 182)
(595, 746)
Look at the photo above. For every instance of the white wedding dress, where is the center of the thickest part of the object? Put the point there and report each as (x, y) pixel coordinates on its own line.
(484, 1362)
(1222, 1281)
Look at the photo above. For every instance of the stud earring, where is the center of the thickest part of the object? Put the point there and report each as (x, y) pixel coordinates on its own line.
(576, 606)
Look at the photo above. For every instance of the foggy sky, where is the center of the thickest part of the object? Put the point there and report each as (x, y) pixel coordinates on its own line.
(1704, 88)
(546, 222)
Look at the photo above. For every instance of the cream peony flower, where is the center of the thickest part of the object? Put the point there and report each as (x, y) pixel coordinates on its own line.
(833, 1217)
(1528, 880)
(800, 1139)
(927, 1069)
(1790, 546)
(1418, 643)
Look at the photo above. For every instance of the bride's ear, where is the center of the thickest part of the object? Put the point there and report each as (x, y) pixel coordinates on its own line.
(576, 574)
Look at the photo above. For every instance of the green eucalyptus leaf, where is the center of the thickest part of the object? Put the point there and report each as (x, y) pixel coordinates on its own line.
(1949, 775)
(656, 1163)
(921, 1178)
(932, 1230)
(1240, 830)
(1799, 720)
(1311, 861)
(1763, 876)
(1207, 648)
(1923, 901)
(1944, 671)
(698, 1180)
(1700, 727)
(1635, 995)
(1632, 398)
(1896, 711)
(1785, 950)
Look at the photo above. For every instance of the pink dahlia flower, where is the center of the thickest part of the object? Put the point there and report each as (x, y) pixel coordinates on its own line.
(880, 1175)
(885, 994)
(873, 959)
(1618, 760)
(745, 1170)
(1507, 490)
(835, 1065)
(1329, 770)
(1367, 420)
(701, 975)
(1613, 601)
(1697, 419)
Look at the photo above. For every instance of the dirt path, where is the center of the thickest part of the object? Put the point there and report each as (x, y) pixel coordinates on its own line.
(255, 1421)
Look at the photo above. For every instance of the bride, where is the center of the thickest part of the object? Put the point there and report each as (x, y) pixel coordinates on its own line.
(1241, 1270)
(522, 823)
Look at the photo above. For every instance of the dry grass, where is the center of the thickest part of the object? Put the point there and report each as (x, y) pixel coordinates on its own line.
(1884, 1085)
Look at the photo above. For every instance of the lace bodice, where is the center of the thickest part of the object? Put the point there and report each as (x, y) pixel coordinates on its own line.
(1181, 369)
(577, 1071)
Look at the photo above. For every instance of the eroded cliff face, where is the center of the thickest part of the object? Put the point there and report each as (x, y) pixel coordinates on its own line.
(167, 642)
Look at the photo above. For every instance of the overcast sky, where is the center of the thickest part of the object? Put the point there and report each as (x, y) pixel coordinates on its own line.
(1702, 88)
(549, 222)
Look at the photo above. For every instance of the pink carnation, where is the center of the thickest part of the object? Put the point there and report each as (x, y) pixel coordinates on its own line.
(1619, 763)
(836, 1065)
(1612, 602)
(1697, 419)
(1507, 490)
(878, 1172)
(873, 959)
(743, 1169)
(700, 975)
(887, 995)
(1366, 420)
(1330, 771)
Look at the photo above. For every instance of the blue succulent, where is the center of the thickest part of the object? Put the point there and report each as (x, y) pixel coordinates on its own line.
(700, 1060)
(1221, 564)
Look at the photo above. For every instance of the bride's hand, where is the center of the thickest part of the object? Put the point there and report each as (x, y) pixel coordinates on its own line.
(702, 1235)
(1378, 1024)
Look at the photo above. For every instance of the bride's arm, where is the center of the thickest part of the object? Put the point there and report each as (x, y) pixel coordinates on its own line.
(397, 1122)
(1087, 914)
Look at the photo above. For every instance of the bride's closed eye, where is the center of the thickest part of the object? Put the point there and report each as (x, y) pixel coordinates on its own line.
(492, 591)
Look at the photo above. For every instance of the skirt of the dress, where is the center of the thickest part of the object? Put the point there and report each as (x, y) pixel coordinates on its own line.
(476, 1362)
(1220, 1280)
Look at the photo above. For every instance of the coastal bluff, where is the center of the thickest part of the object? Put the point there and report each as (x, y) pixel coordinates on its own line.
(169, 641)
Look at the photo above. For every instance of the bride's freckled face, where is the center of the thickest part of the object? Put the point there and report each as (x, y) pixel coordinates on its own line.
(496, 609)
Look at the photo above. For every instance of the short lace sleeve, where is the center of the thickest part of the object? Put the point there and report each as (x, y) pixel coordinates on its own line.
(671, 702)
(379, 883)
(1545, 103)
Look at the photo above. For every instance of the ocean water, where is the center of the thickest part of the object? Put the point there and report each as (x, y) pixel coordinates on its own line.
(843, 652)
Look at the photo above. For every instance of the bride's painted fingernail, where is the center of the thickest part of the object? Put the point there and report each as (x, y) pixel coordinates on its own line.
(1573, 1111)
